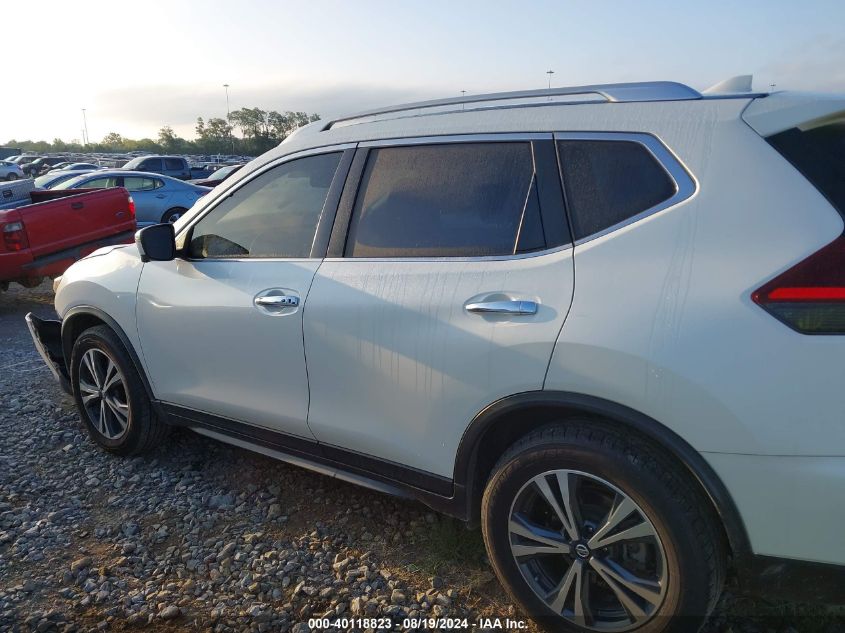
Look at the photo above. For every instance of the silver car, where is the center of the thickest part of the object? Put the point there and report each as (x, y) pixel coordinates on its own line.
(157, 198)
(10, 171)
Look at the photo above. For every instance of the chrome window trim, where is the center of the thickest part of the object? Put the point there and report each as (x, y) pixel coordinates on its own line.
(235, 186)
(685, 184)
(448, 139)
(480, 258)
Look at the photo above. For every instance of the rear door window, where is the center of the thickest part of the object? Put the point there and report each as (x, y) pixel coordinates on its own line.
(139, 183)
(449, 200)
(609, 182)
(99, 183)
(173, 164)
(151, 164)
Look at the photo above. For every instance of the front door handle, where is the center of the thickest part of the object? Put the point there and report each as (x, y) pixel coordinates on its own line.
(517, 307)
(160, 196)
(277, 301)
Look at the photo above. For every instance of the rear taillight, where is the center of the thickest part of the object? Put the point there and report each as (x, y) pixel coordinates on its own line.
(131, 208)
(14, 236)
(810, 296)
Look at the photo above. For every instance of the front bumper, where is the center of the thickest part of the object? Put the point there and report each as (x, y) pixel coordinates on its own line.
(47, 337)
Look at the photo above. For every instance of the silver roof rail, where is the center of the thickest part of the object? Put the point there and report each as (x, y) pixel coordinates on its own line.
(616, 93)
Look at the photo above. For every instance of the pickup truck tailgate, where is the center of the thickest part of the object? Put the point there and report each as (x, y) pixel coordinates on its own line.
(79, 221)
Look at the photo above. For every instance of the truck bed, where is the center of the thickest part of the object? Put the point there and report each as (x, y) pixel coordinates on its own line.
(61, 227)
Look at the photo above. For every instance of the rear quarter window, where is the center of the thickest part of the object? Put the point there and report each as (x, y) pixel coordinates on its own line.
(609, 182)
(819, 154)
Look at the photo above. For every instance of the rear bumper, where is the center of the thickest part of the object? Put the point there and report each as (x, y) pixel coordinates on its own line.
(47, 337)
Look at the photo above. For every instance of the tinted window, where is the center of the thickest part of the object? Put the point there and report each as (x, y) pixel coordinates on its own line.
(138, 183)
(174, 164)
(151, 164)
(819, 154)
(274, 215)
(460, 200)
(98, 183)
(607, 182)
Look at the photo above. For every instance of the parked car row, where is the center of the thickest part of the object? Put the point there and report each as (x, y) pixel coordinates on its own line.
(10, 170)
(181, 166)
(216, 177)
(157, 198)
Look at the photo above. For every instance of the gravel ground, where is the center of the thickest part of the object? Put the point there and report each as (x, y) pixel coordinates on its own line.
(199, 535)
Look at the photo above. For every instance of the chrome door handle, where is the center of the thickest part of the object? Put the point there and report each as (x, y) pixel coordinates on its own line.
(277, 301)
(503, 307)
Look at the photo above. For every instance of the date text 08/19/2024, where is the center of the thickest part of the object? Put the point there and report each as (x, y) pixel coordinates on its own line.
(502, 624)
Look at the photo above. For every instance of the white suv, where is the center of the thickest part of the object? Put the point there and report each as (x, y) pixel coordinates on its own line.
(604, 322)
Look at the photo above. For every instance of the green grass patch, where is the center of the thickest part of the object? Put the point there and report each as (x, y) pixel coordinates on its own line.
(447, 543)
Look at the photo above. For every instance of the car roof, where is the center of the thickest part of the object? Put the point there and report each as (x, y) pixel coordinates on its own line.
(588, 108)
(117, 172)
(157, 156)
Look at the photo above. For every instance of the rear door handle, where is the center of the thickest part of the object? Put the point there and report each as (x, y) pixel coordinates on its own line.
(517, 307)
(76, 205)
(160, 195)
(277, 301)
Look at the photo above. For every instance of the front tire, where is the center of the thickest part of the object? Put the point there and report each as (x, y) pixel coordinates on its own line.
(12, 176)
(171, 215)
(589, 528)
(110, 395)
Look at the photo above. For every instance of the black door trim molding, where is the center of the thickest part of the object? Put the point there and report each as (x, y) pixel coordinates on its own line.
(420, 484)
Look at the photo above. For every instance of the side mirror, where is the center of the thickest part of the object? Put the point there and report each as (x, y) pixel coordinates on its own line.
(157, 243)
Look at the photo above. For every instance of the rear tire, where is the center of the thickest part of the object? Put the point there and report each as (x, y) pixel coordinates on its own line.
(12, 176)
(171, 215)
(568, 578)
(110, 395)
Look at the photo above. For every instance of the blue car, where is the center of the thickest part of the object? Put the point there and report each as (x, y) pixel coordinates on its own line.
(157, 198)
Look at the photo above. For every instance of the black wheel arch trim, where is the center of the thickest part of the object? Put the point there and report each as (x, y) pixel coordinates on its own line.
(68, 340)
(486, 420)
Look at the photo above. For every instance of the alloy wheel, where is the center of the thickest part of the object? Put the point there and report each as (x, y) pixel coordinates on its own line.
(587, 550)
(103, 391)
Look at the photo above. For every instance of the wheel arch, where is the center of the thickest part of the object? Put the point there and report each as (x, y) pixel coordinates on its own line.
(81, 318)
(182, 210)
(503, 422)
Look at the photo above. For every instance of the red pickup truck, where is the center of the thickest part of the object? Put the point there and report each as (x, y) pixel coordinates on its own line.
(43, 238)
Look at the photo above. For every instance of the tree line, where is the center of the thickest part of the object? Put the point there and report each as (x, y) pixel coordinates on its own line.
(257, 131)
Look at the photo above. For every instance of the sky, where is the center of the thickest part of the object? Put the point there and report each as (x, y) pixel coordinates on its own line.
(138, 66)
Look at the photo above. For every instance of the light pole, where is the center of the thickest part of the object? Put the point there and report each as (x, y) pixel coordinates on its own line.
(229, 116)
(85, 129)
(463, 94)
(550, 73)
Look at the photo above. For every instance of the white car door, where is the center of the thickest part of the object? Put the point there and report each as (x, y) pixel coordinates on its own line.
(221, 326)
(447, 294)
